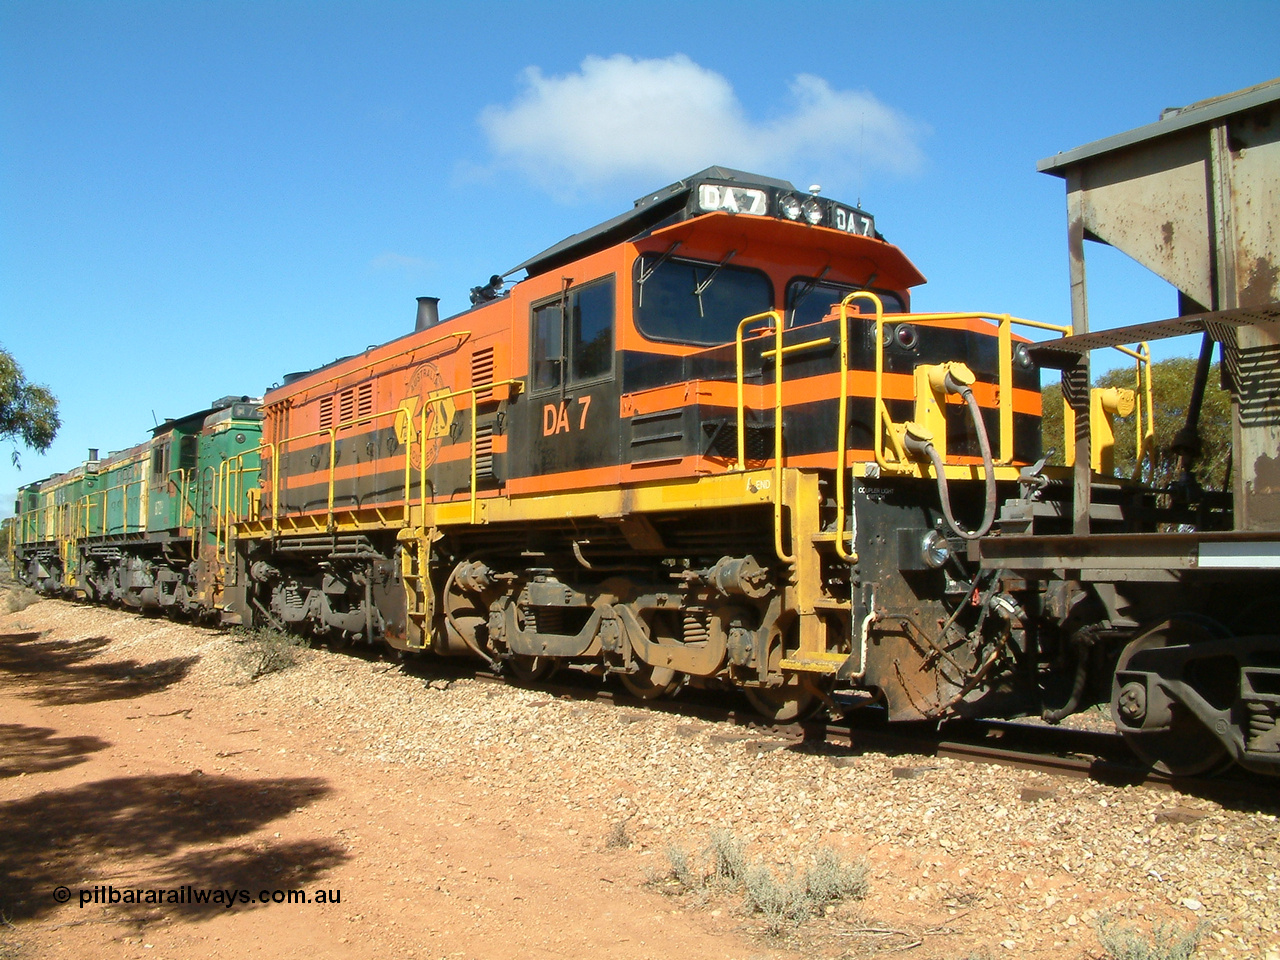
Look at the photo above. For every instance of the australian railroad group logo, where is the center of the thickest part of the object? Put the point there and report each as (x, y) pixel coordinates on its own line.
(426, 390)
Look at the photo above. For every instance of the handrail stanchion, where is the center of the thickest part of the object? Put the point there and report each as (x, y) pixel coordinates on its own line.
(333, 466)
(738, 344)
(1004, 350)
(842, 425)
(778, 495)
(778, 352)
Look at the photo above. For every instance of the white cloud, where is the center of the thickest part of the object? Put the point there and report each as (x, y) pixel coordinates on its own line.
(411, 266)
(621, 119)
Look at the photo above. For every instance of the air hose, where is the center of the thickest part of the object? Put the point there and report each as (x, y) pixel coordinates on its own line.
(919, 441)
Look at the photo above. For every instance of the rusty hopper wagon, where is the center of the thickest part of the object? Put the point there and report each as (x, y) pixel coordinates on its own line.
(1196, 199)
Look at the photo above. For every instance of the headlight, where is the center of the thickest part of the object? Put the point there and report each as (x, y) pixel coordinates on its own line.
(789, 207)
(935, 551)
(812, 211)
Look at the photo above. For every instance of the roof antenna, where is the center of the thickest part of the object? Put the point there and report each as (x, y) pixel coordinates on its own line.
(153, 417)
(862, 136)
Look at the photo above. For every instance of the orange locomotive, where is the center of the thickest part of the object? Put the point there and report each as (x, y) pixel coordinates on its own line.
(703, 442)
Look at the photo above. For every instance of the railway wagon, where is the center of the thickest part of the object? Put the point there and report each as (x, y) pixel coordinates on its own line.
(146, 527)
(702, 442)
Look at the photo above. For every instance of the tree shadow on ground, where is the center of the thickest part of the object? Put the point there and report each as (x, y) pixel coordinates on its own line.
(58, 675)
(156, 832)
(25, 750)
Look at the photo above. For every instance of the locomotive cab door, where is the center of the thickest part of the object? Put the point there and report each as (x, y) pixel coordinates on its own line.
(569, 421)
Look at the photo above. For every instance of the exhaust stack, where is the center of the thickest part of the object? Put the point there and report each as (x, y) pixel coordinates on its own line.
(428, 313)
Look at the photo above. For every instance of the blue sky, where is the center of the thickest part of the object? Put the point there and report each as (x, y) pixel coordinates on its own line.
(198, 197)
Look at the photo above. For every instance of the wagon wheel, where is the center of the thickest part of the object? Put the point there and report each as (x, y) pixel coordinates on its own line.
(1187, 748)
(528, 669)
(650, 682)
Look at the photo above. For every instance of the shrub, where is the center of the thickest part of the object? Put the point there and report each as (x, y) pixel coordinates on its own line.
(268, 651)
(681, 869)
(728, 862)
(14, 597)
(777, 901)
(1167, 942)
(617, 836)
(832, 879)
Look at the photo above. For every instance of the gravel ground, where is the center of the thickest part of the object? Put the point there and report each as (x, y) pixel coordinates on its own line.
(1009, 862)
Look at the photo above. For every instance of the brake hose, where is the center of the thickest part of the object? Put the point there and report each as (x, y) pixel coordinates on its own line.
(922, 442)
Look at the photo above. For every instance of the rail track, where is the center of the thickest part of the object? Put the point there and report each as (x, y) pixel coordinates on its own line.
(1055, 751)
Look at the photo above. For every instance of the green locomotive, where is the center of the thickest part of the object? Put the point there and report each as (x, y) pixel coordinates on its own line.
(148, 527)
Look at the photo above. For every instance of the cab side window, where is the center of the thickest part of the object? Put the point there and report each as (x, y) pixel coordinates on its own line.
(160, 464)
(572, 337)
(548, 349)
(187, 452)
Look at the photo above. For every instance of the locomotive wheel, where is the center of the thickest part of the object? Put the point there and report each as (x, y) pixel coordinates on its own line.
(650, 682)
(1187, 748)
(527, 669)
(788, 702)
(792, 700)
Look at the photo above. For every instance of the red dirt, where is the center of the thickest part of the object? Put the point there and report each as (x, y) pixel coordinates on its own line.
(102, 789)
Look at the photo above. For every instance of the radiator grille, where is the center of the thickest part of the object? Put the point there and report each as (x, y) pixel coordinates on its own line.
(482, 370)
(484, 451)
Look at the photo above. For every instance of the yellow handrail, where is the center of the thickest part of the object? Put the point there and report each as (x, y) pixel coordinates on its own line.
(1144, 437)
(428, 402)
(276, 449)
(842, 426)
(229, 491)
(1144, 440)
(738, 342)
(777, 352)
(1004, 334)
(124, 507)
(883, 422)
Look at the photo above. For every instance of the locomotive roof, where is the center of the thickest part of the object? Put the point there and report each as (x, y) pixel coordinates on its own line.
(671, 203)
(242, 407)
